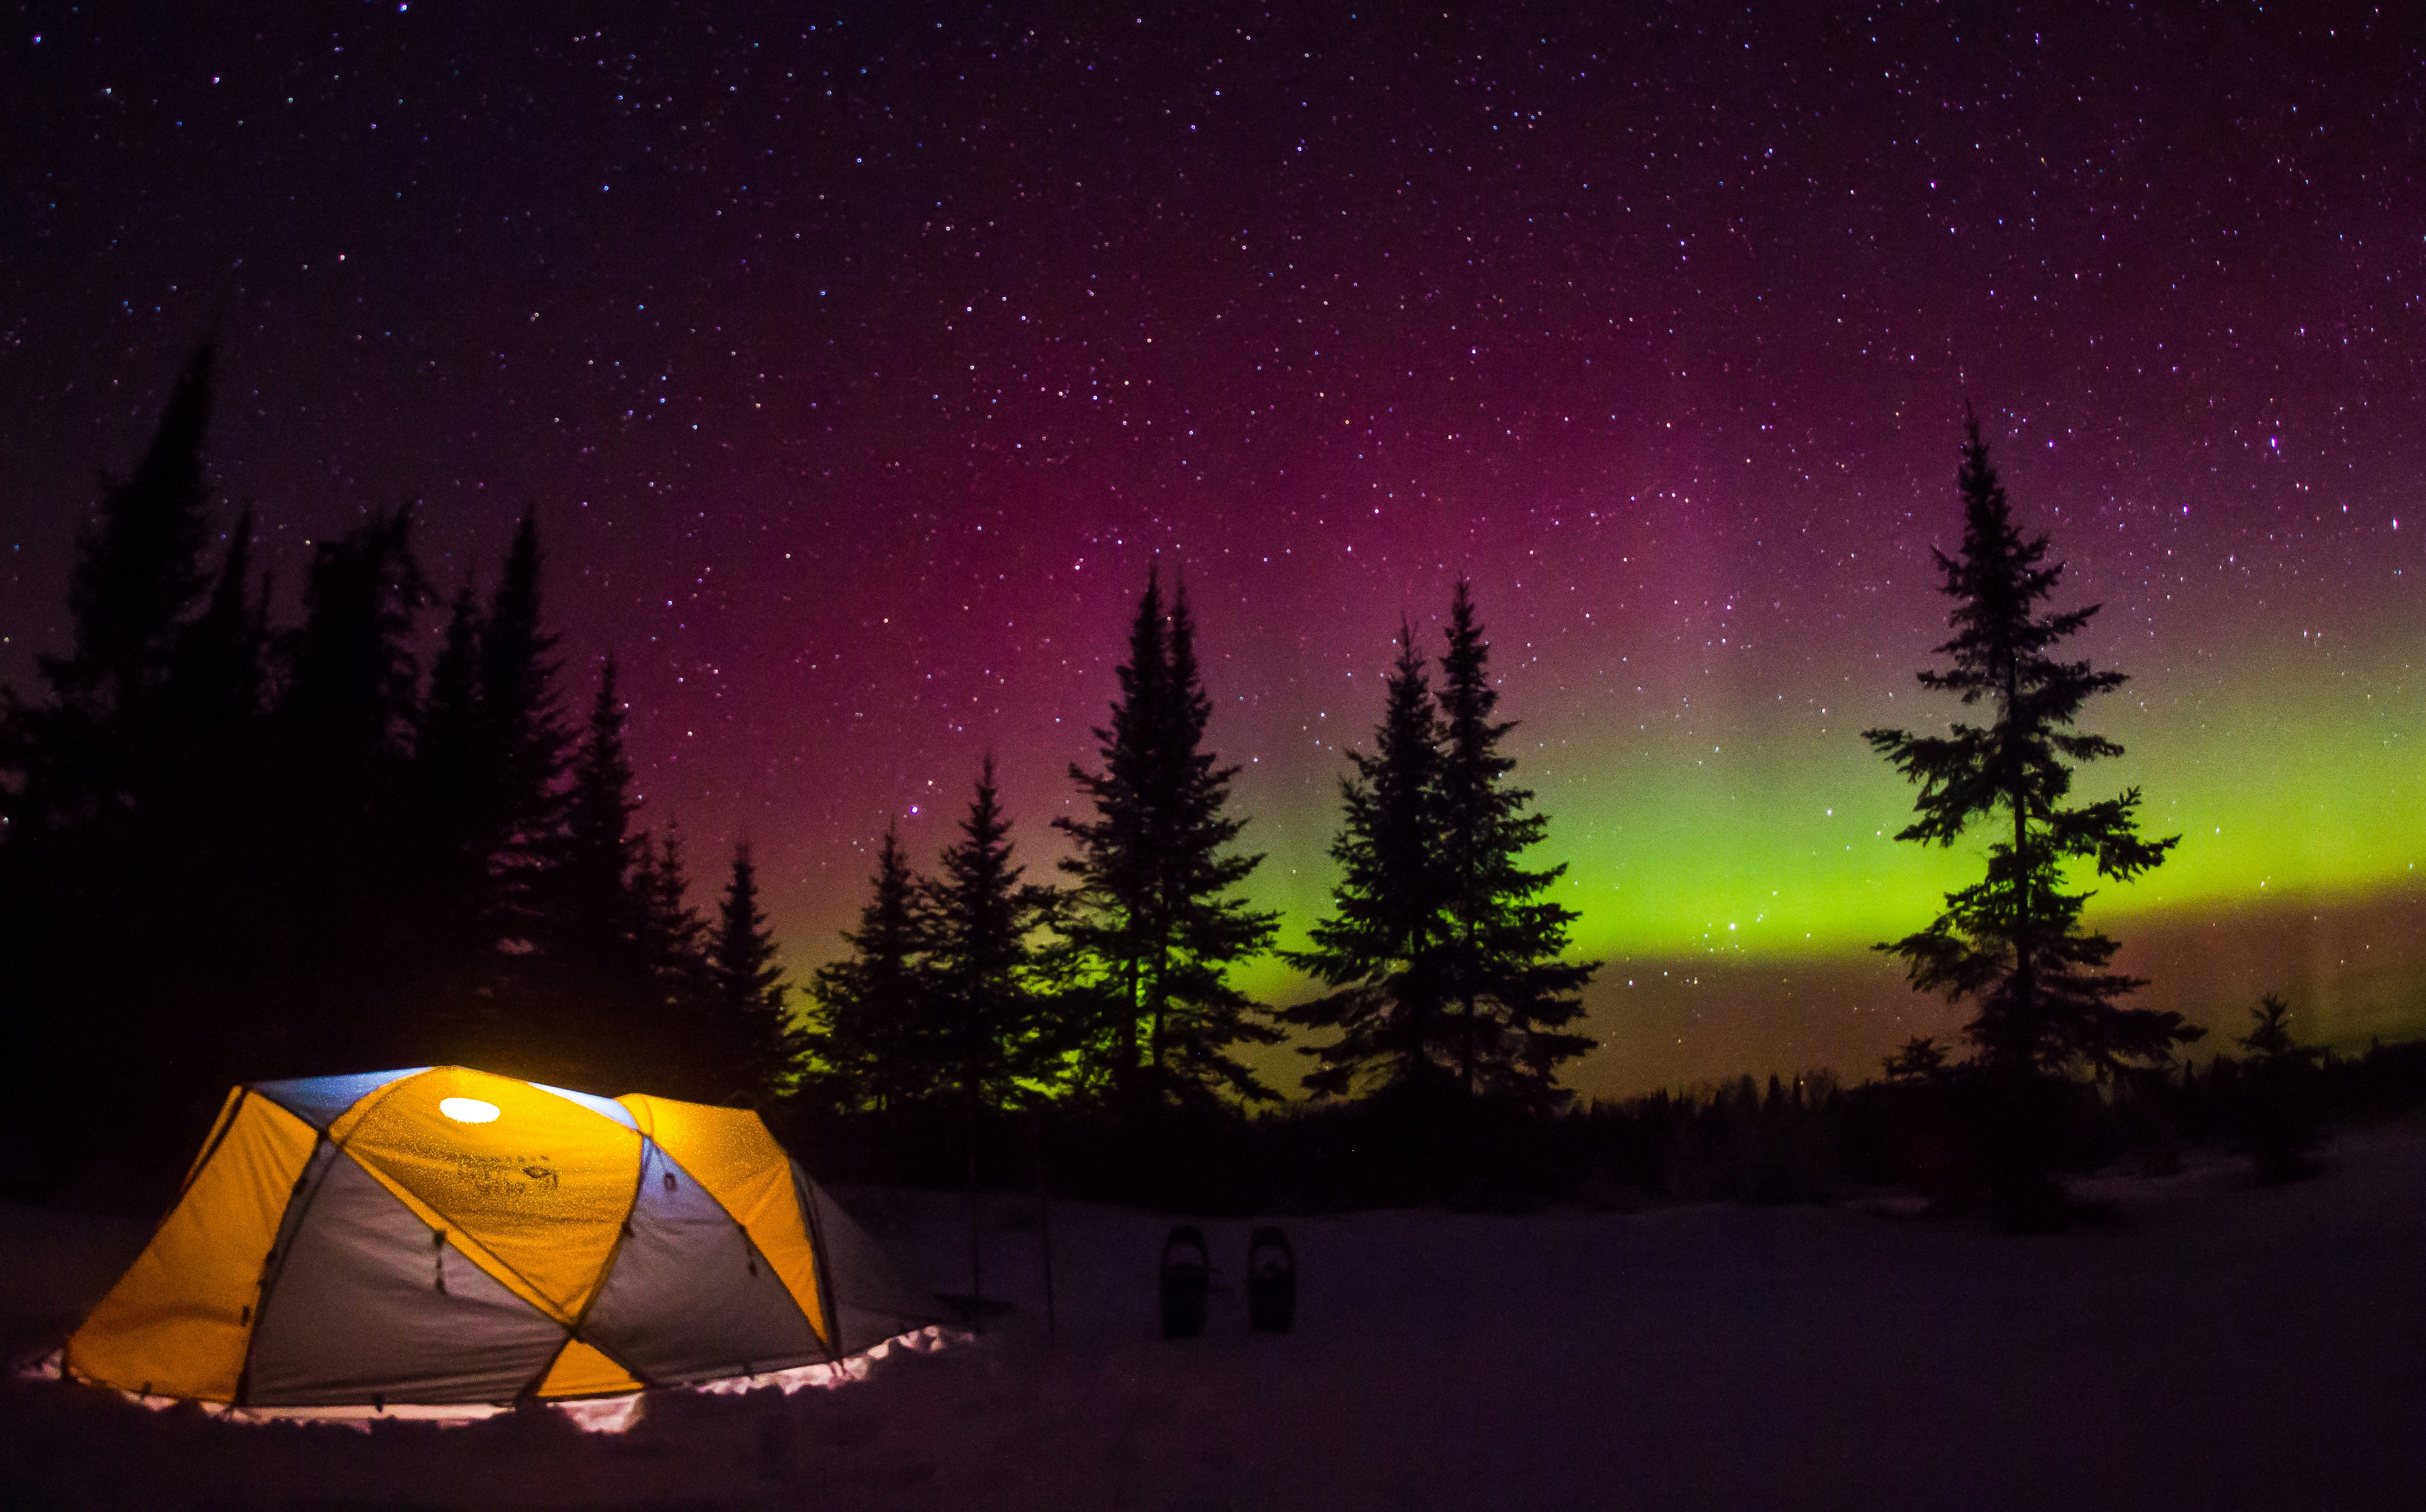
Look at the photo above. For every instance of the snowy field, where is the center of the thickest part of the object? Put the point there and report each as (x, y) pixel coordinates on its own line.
(2211, 1345)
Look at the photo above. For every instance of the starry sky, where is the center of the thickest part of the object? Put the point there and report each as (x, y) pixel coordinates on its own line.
(858, 360)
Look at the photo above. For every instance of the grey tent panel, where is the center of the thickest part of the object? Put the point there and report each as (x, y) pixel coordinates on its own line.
(872, 1300)
(298, 1201)
(604, 1106)
(319, 1099)
(357, 1311)
(689, 1297)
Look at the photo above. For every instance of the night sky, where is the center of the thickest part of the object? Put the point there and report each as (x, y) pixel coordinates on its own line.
(858, 363)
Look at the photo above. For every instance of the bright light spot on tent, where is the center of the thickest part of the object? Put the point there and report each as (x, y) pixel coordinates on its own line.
(468, 1110)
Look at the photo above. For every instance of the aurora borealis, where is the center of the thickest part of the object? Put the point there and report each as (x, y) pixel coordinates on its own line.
(858, 362)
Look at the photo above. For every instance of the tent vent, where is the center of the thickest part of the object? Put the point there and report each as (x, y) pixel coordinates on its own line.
(670, 1180)
(245, 1315)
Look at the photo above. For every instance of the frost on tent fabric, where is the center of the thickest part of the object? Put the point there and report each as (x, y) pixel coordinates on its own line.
(444, 1242)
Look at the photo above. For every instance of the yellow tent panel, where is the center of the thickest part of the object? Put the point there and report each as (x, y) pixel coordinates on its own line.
(734, 1156)
(176, 1324)
(581, 1370)
(535, 1193)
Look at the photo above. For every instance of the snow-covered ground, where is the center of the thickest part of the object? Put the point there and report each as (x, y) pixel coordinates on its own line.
(2215, 1344)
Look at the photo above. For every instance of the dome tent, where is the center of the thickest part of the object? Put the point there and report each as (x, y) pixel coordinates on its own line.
(448, 1236)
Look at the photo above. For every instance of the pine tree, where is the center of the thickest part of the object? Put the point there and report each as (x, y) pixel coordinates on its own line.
(597, 911)
(351, 676)
(139, 572)
(868, 1029)
(1383, 949)
(2045, 1005)
(991, 1015)
(675, 936)
(1115, 924)
(455, 828)
(206, 823)
(340, 731)
(1153, 911)
(1514, 996)
(138, 566)
(220, 669)
(761, 1047)
(522, 736)
(91, 870)
(679, 1014)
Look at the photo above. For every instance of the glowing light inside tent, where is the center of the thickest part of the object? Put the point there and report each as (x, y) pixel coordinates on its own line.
(468, 1110)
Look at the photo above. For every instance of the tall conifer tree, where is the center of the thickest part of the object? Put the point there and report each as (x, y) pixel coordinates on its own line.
(524, 740)
(2045, 1005)
(340, 729)
(870, 1030)
(675, 934)
(1155, 909)
(1514, 996)
(139, 569)
(221, 668)
(598, 911)
(1381, 951)
(91, 922)
(1116, 921)
(454, 830)
(761, 1047)
(991, 1014)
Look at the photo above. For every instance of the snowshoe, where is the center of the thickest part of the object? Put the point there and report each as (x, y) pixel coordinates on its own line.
(1187, 1267)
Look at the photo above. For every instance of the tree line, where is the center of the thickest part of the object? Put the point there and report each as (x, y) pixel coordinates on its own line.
(237, 850)
(1443, 961)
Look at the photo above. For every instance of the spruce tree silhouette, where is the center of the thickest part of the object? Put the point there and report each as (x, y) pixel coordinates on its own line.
(757, 1043)
(1381, 951)
(595, 909)
(2283, 1121)
(993, 1017)
(455, 827)
(869, 1034)
(1153, 916)
(676, 941)
(90, 933)
(138, 567)
(204, 839)
(593, 916)
(340, 732)
(1514, 996)
(2044, 1007)
(221, 670)
(524, 741)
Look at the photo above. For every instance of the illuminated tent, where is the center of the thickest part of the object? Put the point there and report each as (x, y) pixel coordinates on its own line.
(443, 1235)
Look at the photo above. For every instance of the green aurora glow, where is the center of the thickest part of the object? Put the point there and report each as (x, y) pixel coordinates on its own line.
(1764, 874)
